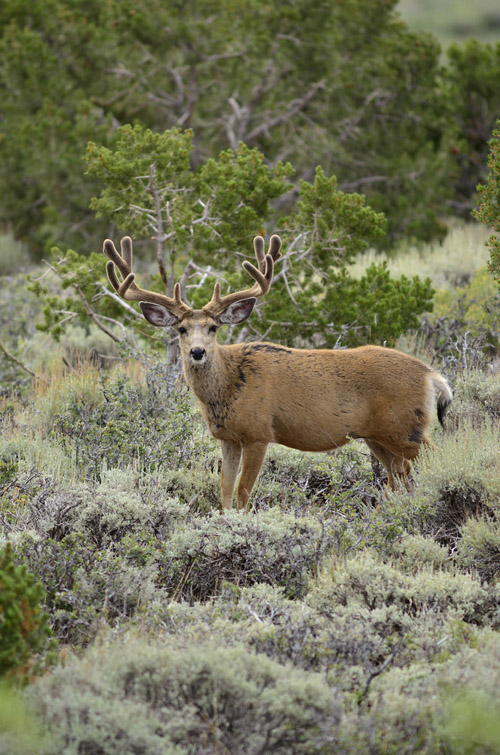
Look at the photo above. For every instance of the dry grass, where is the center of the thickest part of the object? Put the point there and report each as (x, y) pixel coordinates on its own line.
(453, 20)
(449, 264)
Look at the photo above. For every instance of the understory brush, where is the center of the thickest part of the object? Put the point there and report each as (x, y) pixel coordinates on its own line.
(333, 617)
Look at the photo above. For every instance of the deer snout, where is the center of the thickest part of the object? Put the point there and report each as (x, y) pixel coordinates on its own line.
(198, 355)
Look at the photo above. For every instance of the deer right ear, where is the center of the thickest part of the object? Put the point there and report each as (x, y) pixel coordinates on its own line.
(158, 315)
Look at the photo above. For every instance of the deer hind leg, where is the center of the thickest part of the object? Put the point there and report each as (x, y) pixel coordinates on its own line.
(231, 455)
(253, 457)
(395, 466)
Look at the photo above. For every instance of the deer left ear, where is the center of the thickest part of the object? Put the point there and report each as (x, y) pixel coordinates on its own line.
(158, 315)
(237, 312)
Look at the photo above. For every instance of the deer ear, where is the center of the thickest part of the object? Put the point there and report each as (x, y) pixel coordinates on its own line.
(237, 312)
(158, 315)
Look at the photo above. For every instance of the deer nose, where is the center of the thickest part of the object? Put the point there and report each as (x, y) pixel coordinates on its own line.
(197, 354)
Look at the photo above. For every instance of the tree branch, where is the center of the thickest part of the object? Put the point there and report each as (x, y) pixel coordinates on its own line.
(160, 254)
(23, 366)
(93, 316)
(294, 107)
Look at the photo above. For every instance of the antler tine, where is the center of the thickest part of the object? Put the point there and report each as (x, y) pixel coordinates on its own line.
(262, 275)
(258, 245)
(275, 247)
(127, 254)
(128, 289)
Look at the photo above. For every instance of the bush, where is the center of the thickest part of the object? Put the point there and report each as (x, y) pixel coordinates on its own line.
(20, 732)
(366, 582)
(415, 709)
(24, 627)
(107, 553)
(86, 586)
(315, 483)
(472, 723)
(457, 480)
(13, 254)
(413, 552)
(134, 696)
(479, 548)
(476, 399)
(272, 548)
(379, 617)
(123, 503)
(117, 420)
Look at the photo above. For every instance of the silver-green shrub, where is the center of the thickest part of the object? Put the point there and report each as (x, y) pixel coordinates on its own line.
(271, 547)
(131, 696)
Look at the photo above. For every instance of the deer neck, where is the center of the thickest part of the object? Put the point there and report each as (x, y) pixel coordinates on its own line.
(207, 378)
(216, 385)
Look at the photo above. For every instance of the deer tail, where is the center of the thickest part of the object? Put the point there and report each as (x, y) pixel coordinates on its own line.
(444, 395)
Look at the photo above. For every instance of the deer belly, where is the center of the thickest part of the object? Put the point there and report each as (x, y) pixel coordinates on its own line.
(309, 431)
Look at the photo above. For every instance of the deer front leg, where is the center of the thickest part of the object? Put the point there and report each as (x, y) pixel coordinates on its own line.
(253, 457)
(231, 455)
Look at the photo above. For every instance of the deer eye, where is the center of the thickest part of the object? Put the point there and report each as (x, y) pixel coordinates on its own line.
(182, 331)
(212, 329)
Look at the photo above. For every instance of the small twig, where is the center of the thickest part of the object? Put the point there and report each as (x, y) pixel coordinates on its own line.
(380, 670)
(183, 579)
(193, 500)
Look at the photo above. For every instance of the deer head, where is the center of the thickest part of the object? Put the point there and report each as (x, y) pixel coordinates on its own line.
(196, 327)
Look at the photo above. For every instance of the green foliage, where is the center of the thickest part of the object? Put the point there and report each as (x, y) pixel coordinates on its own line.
(365, 583)
(19, 312)
(488, 210)
(412, 552)
(375, 308)
(85, 586)
(78, 273)
(330, 228)
(476, 399)
(480, 546)
(141, 168)
(91, 421)
(24, 626)
(410, 708)
(472, 309)
(150, 188)
(13, 254)
(337, 225)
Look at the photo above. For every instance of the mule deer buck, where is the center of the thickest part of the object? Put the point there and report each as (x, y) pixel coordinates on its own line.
(253, 394)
